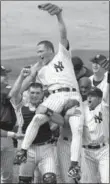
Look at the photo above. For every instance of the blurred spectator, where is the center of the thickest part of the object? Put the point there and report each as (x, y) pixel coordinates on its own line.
(80, 69)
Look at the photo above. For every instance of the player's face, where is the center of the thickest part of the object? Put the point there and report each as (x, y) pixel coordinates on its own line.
(93, 101)
(45, 55)
(4, 81)
(97, 68)
(84, 88)
(35, 95)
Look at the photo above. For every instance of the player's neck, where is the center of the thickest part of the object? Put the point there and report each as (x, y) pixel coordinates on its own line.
(98, 76)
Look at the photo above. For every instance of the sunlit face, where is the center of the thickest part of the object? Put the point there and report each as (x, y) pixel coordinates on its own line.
(35, 95)
(4, 81)
(45, 54)
(97, 68)
(93, 101)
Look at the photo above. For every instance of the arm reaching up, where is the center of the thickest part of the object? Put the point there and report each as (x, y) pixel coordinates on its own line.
(55, 10)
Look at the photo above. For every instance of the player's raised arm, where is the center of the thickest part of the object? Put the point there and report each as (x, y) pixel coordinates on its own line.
(55, 10)
(15, 91)
(62, 30)
(34, 69)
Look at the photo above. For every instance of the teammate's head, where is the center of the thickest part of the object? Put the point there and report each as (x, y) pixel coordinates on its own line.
(96, 67)
(35, 92)
(45, 50)
(94, 97)
(84, 87)
(78, 67)
(4, 77)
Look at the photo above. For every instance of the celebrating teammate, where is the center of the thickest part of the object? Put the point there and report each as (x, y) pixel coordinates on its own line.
(58, 75)
(7, 123)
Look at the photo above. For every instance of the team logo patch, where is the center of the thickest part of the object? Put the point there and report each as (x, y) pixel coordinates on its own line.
(59, 67)
(98, 119)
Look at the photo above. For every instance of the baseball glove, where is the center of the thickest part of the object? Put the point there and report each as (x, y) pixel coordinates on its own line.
(51, 8)
(21, 156)
(71, 103)
(75, 173)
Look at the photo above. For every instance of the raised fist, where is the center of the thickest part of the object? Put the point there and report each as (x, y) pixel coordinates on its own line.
(25, 72)
(51, 8)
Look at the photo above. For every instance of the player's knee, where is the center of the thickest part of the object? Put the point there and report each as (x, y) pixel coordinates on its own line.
(25, 180)
(49, 178)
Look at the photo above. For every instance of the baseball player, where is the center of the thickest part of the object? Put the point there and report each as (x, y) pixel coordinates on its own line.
(41, 152)
(58, 75)
(95, 137)
(96, 140)
(99, 77)
(7, 123)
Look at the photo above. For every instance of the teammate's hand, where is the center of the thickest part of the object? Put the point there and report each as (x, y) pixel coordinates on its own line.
(21, 156)
(25, 72)
(51, 8)
(18, 136)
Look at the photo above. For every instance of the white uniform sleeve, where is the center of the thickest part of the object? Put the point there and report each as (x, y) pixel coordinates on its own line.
(63, 51)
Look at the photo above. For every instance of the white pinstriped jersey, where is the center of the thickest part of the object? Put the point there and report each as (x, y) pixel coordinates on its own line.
(96, 129)
(102, 83)
(59, 72)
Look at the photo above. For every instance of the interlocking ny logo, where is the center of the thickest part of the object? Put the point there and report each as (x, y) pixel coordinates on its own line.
(59, 67)
(98, 119)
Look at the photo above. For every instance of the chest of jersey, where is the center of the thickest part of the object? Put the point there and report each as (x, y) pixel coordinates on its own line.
(94, 117)
(59, 70)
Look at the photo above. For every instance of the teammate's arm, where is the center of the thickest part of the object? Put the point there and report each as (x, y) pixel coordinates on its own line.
(15, 93)
(34, 69)
(10, 134)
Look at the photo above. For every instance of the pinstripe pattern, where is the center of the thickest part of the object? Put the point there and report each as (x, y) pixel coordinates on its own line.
(95, 131)
(98, 160)
(64, 159)
(57, 79)
(56, 102)
(7, 156)
(41, 156)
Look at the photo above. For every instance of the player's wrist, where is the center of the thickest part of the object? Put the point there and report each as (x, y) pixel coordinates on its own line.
(49, 112)
(11, 134)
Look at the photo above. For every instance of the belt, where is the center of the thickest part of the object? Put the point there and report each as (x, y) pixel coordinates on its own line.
(63, 89)
(94, 147)
(44, 143)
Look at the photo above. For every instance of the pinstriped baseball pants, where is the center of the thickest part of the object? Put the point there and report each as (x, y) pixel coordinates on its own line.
(97, 161)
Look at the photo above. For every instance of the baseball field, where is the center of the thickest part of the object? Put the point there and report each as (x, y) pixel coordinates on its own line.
(23, 25)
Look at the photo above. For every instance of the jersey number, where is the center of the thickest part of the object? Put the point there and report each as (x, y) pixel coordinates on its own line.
(98, 119)
(59, 67)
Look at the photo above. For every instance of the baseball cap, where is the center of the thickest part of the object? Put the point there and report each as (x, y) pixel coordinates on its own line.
(98, 58)
(77, 62)
(4, 71)
(95, 92)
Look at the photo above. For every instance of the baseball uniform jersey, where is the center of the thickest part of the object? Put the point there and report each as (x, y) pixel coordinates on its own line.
(59, 73)
(95, 133)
